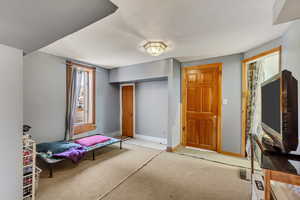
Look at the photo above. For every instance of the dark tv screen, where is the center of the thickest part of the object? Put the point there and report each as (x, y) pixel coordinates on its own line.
(270, 96)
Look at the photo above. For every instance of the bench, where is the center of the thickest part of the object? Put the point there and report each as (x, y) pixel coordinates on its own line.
(51, 161)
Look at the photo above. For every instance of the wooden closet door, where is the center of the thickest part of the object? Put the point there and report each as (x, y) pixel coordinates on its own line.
(127, 111)
(201, 110)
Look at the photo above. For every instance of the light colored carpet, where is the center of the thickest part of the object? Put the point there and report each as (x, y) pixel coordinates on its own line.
(168, 176)
(216, 157)
(89, 179)
(174, 177)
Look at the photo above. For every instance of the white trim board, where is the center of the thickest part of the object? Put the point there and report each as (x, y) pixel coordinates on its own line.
(152, 139)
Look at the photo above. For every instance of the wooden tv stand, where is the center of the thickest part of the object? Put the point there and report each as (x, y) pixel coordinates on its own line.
(276, 167)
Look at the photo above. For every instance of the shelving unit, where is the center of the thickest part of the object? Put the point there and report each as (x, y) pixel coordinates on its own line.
(278, 170)
(30, 171)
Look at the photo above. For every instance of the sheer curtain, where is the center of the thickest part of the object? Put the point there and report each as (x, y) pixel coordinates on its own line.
(258, 72)
(255, 78)
(255, 127)
(72, 98)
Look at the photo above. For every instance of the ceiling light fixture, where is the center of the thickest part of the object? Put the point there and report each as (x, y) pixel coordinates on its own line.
(155, 48)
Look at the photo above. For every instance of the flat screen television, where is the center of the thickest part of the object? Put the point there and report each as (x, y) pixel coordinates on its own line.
(279, 111)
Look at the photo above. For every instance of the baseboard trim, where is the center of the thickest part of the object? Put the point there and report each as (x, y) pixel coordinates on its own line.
(173, 149)
(232, 154)
(152, 139)
(199, 149)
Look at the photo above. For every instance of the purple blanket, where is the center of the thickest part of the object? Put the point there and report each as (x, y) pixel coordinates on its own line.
(75, 154)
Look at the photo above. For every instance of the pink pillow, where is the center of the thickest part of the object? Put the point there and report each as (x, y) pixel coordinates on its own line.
(92, 140)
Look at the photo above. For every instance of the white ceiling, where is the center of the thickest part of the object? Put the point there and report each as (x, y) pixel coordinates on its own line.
(286, 10)
(32, 24)
(194, 29)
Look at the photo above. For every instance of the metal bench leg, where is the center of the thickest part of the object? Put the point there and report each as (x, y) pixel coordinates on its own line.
(50, 171)
(93, 155)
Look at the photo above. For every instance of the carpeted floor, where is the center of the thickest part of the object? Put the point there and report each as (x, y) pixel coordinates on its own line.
(89, 179)
(216, 157)
(165, 176)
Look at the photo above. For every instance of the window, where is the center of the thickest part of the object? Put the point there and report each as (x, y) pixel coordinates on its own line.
(84, 119)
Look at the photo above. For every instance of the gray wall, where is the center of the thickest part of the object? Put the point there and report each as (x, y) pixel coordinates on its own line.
(231, 113)
(152, 108)
(11, 122)
(291, 50)
(45, 98)
(174, 88)
(143, 71)
(167, 68)
(264, 47)
(107, 104)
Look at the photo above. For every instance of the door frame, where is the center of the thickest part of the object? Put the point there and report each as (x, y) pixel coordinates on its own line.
(184, 103)
(245, 91)
(121, 107)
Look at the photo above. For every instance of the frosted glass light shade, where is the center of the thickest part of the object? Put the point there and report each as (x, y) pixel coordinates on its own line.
(155, 48)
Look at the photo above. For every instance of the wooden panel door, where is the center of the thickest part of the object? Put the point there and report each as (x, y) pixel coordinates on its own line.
(201, 93)
(127, 111)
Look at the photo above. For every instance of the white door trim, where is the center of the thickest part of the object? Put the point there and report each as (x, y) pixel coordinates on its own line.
(121, 106)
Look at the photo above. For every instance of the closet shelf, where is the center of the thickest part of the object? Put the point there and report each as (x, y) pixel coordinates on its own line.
(30, 171)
